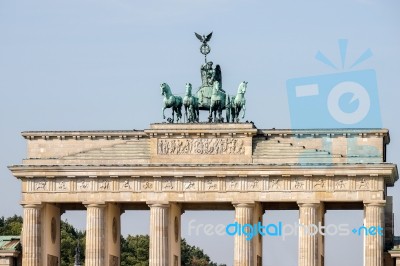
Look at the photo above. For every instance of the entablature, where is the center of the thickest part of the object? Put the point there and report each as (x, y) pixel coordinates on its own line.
(386, 170)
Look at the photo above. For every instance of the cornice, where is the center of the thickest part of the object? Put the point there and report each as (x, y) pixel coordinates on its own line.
(205, 128)
(331, 133)
(201, 129)
(95, 134)
(386, 170)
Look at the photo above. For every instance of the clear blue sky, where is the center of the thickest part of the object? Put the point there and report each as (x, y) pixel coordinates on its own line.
(87, 65)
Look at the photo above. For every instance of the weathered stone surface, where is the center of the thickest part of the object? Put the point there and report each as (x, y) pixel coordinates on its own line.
(172, 167)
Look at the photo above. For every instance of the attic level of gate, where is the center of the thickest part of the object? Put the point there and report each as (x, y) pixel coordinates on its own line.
(207, 143)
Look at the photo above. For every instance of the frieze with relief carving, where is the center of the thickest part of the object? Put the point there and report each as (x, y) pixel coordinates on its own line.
(230, 184)
(211, 146)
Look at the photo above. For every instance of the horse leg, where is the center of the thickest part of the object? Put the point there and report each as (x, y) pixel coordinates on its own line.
(190, 114)
(237, 113)
(178, 114)
(220, 113)
(215, 115)
(163, 114)
(244, 110)
(210, 114)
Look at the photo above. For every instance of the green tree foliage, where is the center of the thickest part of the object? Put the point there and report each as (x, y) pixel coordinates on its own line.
(194, 256)
(69, 241)
(11, 226)
(135, 252)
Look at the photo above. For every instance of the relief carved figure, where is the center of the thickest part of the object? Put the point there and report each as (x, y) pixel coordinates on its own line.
(40, 185)
(104, 184)
(213, 146)
(84, 184)
(233, 183)
(363, 184)
(253, 184)
(190, 185)
(340, 184)
(62, 185)
(168, 184)
(148, 185)
(126, 184)
(211, 185)
(275, 184)
(298, 184)
(320, 183)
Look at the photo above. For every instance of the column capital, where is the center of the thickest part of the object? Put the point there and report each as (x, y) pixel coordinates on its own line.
(309, 203)
(94, 204)
(377, 203)
(160, 204)
(248, 204)
(33, 205)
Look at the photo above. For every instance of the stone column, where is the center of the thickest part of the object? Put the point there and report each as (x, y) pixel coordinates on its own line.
(95, 235)
(31, 240)
(308, 236)
(159, 254)
(243, 251)
(373, 244)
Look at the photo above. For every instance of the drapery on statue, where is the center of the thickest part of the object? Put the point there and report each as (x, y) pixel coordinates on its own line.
(209, 75)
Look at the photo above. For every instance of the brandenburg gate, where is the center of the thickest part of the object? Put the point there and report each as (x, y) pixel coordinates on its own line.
(170, 168)
(173, 167)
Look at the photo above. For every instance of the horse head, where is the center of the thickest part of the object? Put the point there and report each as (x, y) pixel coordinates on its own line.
(188, 89)
(165, 90)
(242, 87)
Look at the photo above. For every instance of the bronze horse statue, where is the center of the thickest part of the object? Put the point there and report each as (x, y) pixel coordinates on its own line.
(171, 101)
(217, 103)
(238, 102)
(191, 103)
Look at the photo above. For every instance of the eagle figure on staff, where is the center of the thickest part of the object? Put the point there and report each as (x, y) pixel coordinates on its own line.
(204, 39)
